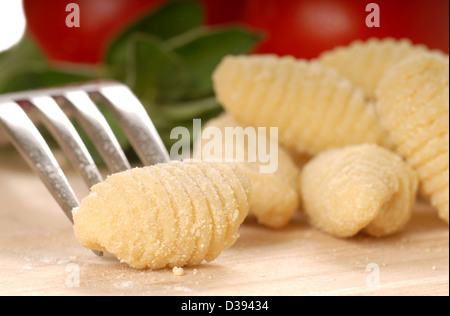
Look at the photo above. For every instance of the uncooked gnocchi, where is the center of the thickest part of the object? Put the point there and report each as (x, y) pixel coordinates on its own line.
(414, 106)
(167, 215)
(358, 188)
(365, 63)
(313, 107)
(274, 197)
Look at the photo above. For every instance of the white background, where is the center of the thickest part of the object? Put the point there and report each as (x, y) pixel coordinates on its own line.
(12, 23)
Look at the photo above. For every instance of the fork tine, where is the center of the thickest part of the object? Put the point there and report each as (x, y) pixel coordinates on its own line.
(98, 129)
(127, 109)
(33, 148)
(24, 135)
(135, 122)
(59, 125)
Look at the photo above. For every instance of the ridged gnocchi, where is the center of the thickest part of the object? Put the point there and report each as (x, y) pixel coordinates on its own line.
(358, 188)
(414, 107)
(275, 197)
(365, 63)
(167, 215)
(314, 108)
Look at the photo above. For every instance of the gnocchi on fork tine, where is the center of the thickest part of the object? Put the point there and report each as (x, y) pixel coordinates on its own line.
(51, 105)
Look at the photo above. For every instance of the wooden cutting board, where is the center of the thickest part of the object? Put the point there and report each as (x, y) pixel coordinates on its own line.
(40, 256)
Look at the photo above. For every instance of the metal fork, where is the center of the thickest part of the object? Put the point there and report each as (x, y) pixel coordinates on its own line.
(53, 107)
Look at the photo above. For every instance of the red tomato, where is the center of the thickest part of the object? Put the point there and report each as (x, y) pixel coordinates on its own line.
(99, 21)
(305, 28)
(223, 11)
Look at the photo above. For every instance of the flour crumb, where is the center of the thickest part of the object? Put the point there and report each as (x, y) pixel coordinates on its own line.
(195, 271)
(183, 289)
(178, 271)
(48, 260)
(124, 285)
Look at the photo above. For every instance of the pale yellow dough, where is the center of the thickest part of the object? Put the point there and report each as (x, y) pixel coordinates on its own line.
(358, 188)
(313, 106)
(414, 107)
(365, 63)
(275, 196)
(167, 215)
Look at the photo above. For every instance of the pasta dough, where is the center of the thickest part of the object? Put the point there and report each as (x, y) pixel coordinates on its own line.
(365, 63)
(313, 107)
(167, 215)
(275, 196)
(364, 187)
(414, 106)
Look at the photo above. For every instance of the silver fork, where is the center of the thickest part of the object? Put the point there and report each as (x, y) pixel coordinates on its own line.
(53, 107)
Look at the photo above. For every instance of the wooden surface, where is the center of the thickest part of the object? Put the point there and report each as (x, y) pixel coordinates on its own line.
(40, 256)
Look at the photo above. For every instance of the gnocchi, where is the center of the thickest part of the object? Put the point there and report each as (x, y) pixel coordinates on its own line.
(167, 215)
(358, 188)
(274, 198)
(414, 107)
(314, 108)
(365, 63)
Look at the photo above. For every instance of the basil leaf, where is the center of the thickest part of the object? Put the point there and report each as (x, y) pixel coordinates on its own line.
(203, 48)
(169, 20)
(18, 58)
(154, 73)
(190, 110)
(24, 51)
(39, 76)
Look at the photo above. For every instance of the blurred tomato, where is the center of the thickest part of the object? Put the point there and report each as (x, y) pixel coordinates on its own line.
(223, 11)
(99, 21)
(305, 28)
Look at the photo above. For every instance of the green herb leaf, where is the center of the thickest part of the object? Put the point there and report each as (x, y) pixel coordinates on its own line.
(171, 19)
(189, 110)
(24, 67)
(203, 48)
(24, 51)
(38, 76)
(18, 58)
(154, 73)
